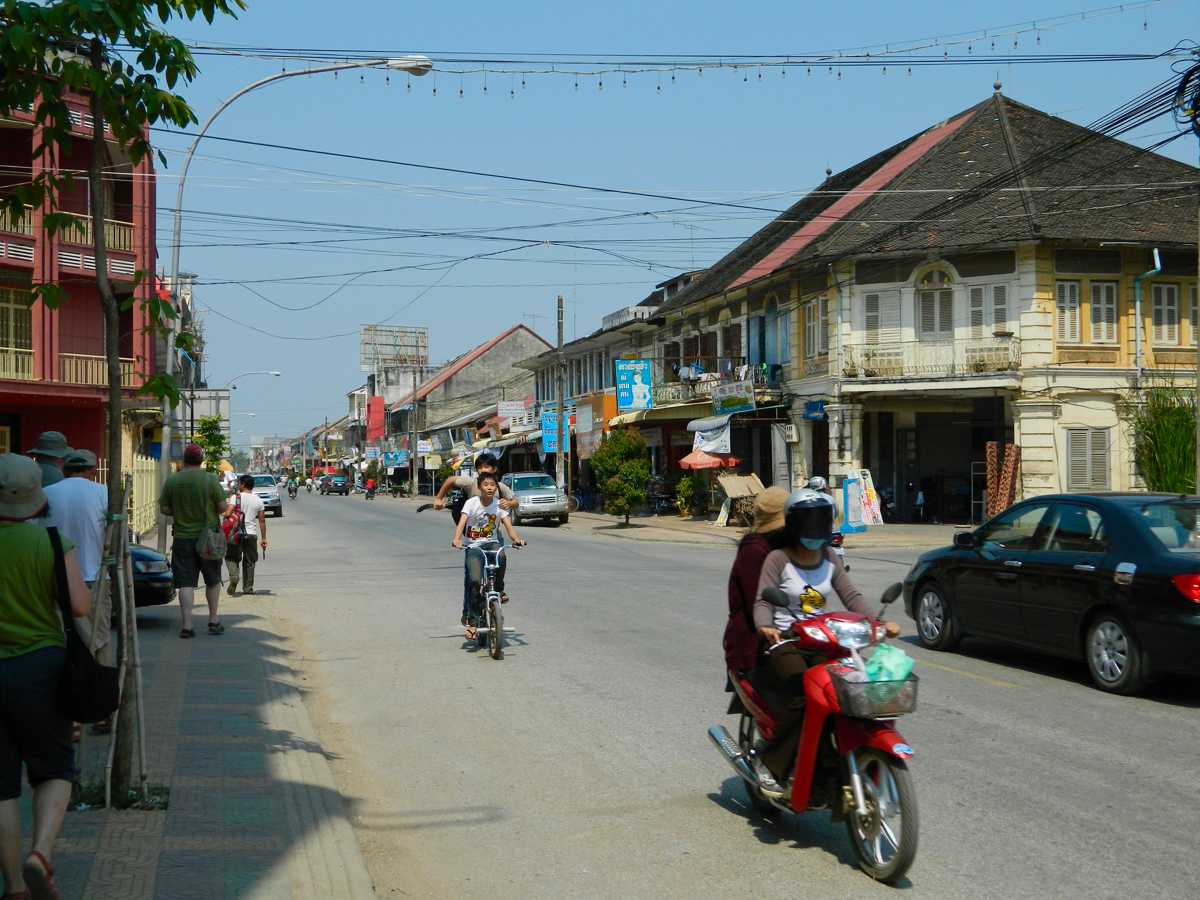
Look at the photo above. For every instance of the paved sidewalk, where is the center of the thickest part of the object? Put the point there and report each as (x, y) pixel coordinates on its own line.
(253, 812)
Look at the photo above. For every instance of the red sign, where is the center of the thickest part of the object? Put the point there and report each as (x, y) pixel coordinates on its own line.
(375, 419)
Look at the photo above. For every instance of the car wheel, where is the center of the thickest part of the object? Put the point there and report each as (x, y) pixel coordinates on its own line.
(562, 520)
(1113, 656)
(937, 628)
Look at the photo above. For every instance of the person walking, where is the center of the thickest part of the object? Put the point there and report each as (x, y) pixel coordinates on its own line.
(78, 507)
(252, 533)
(194, 500)
(49, 452)
(32, 655)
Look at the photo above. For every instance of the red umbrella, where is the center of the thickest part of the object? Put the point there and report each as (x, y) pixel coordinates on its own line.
(698, 459)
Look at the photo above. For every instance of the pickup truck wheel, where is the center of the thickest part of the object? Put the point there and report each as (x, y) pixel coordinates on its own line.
(562, 520)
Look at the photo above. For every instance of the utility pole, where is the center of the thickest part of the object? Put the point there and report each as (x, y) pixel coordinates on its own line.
(561, 476)
(412, 438)
(1196, 407)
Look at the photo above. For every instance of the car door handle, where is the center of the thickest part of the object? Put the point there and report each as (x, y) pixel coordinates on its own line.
(1006, 576)
(1013, 563)
(1083, 567)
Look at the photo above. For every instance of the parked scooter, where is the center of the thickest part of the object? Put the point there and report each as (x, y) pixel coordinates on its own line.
(851, 759)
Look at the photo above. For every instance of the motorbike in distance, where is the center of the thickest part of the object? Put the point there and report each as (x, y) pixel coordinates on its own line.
(308, 485)
(292, 490)
(851, 760)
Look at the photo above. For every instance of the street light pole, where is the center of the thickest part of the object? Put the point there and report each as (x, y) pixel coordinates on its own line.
(414, 65)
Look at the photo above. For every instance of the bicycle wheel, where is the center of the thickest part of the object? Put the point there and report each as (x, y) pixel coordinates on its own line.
(573, 503)
(495, 629)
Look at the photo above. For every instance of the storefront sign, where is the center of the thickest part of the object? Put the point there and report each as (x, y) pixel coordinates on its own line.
(633, 377)
(510, 409)
(715, 441)
(395, 458)
(424, 447)
(371, 453)
(550, 433)
(583, 417)
(814, 410)
(732, 397)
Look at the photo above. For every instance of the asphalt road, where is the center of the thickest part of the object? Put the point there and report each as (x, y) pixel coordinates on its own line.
(579, 767)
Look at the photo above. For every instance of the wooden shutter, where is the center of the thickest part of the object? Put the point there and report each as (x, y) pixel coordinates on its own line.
(999, 307)
(1068, 311)
(1088, 459)
(871, 318)
(946, 312)
(810, 328)
(1166, 314)
(1099, 459)
(976, 305)
(928, 315)
(1077, 459)
(1104, 311)
(1194, 336)
(822, 326)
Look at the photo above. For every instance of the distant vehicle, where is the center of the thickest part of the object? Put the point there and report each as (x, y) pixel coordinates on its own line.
(266, 488)
(338, 484)
(538, 497)
(152, 581)
(1113, 579)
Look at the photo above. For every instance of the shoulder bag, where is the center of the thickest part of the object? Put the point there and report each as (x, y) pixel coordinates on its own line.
(88, 691)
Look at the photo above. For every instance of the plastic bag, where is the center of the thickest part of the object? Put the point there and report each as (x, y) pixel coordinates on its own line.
(889, 663)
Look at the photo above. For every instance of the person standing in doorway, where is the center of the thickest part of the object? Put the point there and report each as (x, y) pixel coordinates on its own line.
(244, 552)
(193, 498)
(49, 452)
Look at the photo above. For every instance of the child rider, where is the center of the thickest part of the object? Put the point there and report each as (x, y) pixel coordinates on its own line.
(481, 517)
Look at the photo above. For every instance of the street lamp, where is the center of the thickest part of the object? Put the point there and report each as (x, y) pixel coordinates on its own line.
(229, 386)
(415, 64)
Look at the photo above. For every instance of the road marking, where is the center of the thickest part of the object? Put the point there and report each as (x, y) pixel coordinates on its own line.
(995, 682)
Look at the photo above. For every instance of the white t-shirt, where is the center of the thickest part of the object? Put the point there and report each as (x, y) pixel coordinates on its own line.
(483, 522)
(807, 591)
(77, 509)
(251, 505)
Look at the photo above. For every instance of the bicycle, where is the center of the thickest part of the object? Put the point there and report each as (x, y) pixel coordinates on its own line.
(487, 611)
(582, 500)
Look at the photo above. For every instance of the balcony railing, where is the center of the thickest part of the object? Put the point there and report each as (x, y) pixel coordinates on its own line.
(695, 381)
(25, 226)
(931, 359)
(16, 364)
(117, 235)
(75, 368)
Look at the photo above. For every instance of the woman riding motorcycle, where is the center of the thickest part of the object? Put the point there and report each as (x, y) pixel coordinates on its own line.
(809, 572)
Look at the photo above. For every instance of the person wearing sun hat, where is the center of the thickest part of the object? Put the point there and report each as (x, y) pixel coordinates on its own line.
(49, 453)
(765, 534)
(32, 654)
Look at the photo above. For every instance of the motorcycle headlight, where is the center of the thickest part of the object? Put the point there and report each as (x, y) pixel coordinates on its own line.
(852, 635)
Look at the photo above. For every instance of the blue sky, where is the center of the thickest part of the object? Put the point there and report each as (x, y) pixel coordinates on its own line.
(721, 135)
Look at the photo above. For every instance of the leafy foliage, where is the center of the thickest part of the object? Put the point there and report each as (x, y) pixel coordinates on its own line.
(691, 493)
(211, 436)
(622, 469)
(1164, 438)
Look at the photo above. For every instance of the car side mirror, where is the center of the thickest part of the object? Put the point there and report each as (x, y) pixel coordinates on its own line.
(775, 597)
(965, 540)
(893, 591)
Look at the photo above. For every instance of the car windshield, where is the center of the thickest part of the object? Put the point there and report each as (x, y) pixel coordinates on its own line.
(1174, 524)
(532, 482)
(261, 481)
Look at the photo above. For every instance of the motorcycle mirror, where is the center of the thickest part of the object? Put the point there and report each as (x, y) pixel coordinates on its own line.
(892, 593)
(775, 597)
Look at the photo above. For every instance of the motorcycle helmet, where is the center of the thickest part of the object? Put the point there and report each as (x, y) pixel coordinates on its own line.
(818, 483)
(809, 519)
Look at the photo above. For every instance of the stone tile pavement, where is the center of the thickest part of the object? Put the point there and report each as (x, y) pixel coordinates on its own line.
(253, 812)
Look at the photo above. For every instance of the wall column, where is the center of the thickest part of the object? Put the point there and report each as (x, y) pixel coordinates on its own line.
(1034, 425)
(845, 439)
(802, 447)
(46, 343)
(144, 195)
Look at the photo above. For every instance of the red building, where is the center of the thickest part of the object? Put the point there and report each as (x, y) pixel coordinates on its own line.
(52, 369)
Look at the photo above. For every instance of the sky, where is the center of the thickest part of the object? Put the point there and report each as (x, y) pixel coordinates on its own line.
(748, 136)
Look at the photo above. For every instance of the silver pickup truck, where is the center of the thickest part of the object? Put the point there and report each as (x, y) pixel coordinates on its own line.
(538, 496)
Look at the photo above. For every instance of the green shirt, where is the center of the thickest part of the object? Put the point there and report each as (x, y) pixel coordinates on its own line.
(194, 499)
(29, 617)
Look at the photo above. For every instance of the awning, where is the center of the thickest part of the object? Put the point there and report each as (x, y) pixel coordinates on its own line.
(709, 423)
(662, 413)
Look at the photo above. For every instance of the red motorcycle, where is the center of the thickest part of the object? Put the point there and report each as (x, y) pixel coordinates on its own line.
(851, 759)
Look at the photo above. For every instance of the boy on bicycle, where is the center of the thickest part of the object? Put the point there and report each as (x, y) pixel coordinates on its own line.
(479, 523)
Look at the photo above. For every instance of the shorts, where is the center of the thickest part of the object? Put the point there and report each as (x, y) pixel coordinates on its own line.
(31, 730)
(187, 566)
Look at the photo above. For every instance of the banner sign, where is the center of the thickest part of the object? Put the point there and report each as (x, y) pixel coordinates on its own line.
(633, 377)
(550, 433)
(814, 410)
(371, 453)
(510, 409)
(732, 397)
(715, 441)
(424, 447)
(395, 458)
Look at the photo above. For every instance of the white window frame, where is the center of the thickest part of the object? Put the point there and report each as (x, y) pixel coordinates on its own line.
(1089, 459)
(881, 317)
(1164, 312)
(1066, 312)
(17, 312)
(811, 329)
(1104, 311)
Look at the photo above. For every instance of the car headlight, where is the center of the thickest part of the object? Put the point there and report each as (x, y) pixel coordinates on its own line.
(152, 567)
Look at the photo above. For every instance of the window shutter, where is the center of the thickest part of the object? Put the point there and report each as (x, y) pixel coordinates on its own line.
(1104, 311)
(871, 322)
(1171, 313)
(889, 317)
(1068, 311)
(999, 307)
(1077, 459)
(976, 312)
(1194, 338)
(946, 312)
(1099, 460)
(822, 326)
(928, 314)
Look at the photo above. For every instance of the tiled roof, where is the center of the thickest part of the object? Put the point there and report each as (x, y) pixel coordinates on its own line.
(977, 179)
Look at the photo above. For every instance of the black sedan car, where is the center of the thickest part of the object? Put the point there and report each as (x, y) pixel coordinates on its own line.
(152, 583)
(1113, 579)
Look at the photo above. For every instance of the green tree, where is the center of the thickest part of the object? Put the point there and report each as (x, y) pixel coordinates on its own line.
(622, 469)
(210, 434)
(1163, 422)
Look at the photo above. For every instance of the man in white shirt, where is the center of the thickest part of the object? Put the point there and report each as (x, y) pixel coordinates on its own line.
(245, 550)
(77, 508)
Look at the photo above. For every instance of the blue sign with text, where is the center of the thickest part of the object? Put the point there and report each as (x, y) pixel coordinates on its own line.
(633, 378)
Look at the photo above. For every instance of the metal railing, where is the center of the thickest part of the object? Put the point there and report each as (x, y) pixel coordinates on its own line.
(118, 235)
(931, 359)
(77, 368)
(695, 381)
(16, 364)
(25, 226)
(143, 497)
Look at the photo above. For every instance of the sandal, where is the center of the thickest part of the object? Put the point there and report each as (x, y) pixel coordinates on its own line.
(503, 597)
(216, 628)
(76, 732)
(185, 633)
(472, 632)
(39, 875)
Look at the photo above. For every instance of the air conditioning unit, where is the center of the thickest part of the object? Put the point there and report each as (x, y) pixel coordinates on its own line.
(789, 433)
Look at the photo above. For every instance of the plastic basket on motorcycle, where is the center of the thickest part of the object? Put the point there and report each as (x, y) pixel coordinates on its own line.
(874, 699)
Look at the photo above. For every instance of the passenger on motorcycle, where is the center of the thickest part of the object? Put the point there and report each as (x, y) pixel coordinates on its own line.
(809, 572)
(480, 523)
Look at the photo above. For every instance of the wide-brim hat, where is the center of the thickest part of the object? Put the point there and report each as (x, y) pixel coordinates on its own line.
(21, 494)
(80, 459)
(51, 443)
(769, 510)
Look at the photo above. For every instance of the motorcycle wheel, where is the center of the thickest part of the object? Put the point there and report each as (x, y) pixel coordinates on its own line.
(885, 840)
(496, 631)
(747, 735)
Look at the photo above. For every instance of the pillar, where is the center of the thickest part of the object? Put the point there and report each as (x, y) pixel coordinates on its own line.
(801, 448)
(46, 339)
(845, 439)
(1035, 426)
(144, 223)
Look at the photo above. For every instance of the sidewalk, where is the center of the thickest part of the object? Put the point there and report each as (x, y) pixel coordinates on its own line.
(253, 810)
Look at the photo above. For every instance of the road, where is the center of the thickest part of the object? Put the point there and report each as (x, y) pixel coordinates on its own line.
(579, 767)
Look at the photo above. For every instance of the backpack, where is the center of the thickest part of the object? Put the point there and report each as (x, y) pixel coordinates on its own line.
(234, 524)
